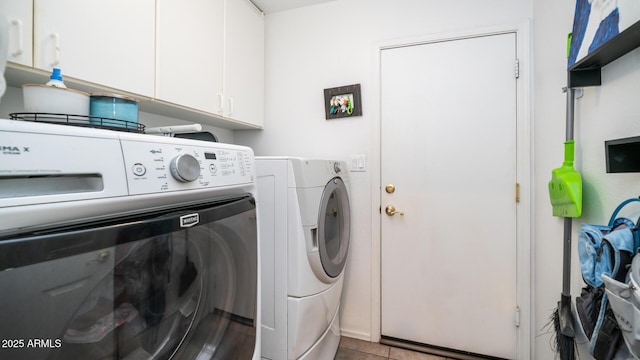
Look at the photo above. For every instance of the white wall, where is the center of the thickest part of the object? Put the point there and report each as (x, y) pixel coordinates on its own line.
(313, 48)
(550, 29)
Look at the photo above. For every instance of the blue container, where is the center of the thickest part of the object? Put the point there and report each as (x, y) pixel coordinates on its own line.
(113, 110)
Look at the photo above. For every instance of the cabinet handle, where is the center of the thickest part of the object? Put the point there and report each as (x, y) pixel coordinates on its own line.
(220, 103)
(230, 106)
(56, 52)
(20, 46)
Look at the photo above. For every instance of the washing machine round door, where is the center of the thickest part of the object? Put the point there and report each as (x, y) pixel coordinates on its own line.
(334, 225)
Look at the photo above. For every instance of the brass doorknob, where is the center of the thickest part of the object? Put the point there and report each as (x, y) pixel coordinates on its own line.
(391, 210)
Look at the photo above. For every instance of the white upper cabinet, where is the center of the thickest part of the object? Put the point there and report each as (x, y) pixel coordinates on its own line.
(244, 62)
(189, 61)
(198, 60)
(19, 14)
(210, 57)
(106, 42)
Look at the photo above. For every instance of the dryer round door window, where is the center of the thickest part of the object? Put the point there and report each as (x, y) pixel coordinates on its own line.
(334, 225)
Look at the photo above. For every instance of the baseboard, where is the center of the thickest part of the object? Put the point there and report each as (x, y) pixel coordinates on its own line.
(435, 350)
(355, 334)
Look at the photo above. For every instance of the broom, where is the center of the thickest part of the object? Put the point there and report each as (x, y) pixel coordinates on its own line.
(565, 190)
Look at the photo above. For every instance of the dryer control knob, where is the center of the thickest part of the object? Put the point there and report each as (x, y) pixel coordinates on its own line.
(185, 168)
(336, 167)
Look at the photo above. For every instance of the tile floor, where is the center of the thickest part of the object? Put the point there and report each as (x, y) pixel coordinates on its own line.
(353, 349)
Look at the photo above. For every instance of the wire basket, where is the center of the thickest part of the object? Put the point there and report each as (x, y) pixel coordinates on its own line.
(81, 120)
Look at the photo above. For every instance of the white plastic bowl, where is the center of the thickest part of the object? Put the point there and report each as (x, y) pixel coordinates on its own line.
(54, 100)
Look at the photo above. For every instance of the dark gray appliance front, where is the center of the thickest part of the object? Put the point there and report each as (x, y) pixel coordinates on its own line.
(178, 283)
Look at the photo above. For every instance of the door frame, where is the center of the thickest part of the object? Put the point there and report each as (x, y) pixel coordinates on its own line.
(524, 173)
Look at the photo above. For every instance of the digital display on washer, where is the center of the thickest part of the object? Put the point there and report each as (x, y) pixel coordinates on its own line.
(210, 156)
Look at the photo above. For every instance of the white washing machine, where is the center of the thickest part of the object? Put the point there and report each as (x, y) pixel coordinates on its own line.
(119, 245)
(304, 224)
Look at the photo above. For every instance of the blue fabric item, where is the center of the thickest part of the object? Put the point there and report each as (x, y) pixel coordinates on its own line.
(596, 250)
(619, 240)
(589, 244)
(580, 20)
(607, 30)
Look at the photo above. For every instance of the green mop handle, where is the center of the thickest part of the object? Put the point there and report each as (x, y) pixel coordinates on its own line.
(569, 146)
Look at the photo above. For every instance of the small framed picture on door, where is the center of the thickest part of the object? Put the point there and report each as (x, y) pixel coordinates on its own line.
(343, 101)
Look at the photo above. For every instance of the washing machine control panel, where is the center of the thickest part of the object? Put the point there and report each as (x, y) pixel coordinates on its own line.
(159, 167)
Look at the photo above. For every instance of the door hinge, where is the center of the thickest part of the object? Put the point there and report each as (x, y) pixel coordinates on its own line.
(517, 316)
(517, 192)
(517, 68)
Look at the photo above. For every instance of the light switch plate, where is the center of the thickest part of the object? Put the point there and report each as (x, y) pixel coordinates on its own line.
(358, 163)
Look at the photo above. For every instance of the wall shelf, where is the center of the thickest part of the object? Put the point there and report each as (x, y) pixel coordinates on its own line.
(17, 75)
(587, 71)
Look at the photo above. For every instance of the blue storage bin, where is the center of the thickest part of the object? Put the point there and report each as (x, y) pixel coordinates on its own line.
(113, 110)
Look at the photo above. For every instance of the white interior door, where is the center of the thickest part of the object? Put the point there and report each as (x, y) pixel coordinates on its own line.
(449, 148)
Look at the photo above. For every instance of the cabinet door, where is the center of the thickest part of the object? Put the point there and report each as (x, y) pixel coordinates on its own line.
(244, 62)
(107, 42)
(19, 14)
(189, 61)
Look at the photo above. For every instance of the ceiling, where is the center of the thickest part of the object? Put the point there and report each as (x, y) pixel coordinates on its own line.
(272, 6)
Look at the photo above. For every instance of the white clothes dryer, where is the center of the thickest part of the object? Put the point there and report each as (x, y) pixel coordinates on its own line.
(304, 224)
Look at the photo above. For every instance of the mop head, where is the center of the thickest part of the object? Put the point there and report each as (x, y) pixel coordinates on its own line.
(563, 345)
(565, 187)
